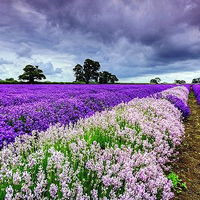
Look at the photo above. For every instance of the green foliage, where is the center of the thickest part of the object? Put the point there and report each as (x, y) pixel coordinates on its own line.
(90, 69)
(159, 194)
(191, 95)
(178, 184)
(79, 73)
(107, 77)
(90, 72)
(196, 80)
(179, 81)
(87, 72)
(32, 73)
(8, 81)
(155, 80)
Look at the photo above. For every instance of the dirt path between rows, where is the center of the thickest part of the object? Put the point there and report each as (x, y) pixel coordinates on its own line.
(188, 165)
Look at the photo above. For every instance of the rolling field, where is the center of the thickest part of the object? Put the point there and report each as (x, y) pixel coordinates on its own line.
(90, 141)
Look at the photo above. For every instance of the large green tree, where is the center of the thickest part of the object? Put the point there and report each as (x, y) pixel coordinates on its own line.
(32, 73)
(107, 77)
(78, 73)
(156, 80)
(196, 80)
(90, 69)
(104, 77)
(113, 78)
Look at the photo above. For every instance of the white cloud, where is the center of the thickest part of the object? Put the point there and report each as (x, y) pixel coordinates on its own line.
(48, 68)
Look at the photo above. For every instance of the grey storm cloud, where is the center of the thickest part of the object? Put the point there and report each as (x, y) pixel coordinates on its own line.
(129, 38)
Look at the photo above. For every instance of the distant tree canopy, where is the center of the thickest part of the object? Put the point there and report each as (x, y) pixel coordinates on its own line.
(107, 77)
(91, 69)
(196, 80)
(32, 73)
(113, 78)
(180, 81)
(87, 72)
(90, 72)
(155, 80)
(10, 79)
(79, 74)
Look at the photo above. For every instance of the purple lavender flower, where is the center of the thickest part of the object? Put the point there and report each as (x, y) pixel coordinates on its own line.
(178, 103)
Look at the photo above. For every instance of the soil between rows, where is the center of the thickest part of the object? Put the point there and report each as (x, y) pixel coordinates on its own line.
(188, 164)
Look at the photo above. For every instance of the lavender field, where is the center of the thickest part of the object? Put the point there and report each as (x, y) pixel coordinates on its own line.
(99, 100)
(90, 141)
(24, 108)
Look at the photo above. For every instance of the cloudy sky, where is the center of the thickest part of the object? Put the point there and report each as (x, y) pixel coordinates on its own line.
(134, 39)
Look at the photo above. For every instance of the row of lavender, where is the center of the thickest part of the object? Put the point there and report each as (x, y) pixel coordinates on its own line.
(175, 97)
(121, 154)
(24, 108)
(196, 89)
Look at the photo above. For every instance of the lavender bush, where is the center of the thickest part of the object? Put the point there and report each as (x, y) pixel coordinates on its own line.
(121, 153)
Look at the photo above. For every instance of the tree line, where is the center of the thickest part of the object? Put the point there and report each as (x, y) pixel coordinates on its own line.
(157, 80)
(90, 72)
(86, 73)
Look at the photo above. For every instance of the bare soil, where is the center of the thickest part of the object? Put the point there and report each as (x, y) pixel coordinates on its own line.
(188, 164)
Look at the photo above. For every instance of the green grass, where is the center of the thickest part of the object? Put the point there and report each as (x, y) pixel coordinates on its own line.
(177, 183)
